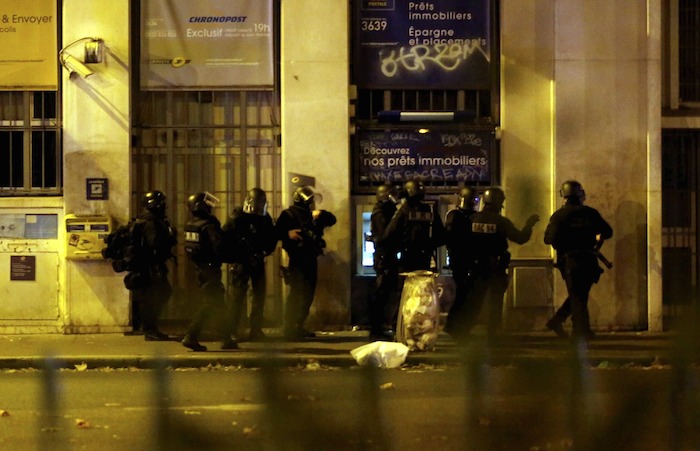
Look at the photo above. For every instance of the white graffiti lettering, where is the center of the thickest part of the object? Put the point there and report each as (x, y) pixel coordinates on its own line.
(462, 139)
(398, 136)
(466, 174)
(447, 56)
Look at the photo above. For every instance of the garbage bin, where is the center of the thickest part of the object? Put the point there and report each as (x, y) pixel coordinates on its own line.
(419, 311)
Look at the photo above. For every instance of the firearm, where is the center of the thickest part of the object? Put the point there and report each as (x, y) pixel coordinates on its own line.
(312, 239)
(608, 264)
(255, 256)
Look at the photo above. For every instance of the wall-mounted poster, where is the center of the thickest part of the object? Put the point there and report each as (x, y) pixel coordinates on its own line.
(29, 50)
(206, 44)
(445, 157)
(423, 44)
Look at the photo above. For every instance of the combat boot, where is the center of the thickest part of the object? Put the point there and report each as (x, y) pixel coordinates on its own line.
(229, 343)
(155, 335)
(557, 327)
(192, 343)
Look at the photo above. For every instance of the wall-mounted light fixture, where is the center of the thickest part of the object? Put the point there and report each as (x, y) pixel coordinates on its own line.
(93, 51)
(425, 116)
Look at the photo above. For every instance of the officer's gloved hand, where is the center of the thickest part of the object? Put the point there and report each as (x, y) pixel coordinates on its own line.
(532, 220)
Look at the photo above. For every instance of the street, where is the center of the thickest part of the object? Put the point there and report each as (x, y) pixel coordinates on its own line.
(423, 407)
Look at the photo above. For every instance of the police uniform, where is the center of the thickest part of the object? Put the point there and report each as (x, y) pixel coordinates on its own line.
(415, 231)
(384, 304)
(203, 243)
(303, 254)
(250, 238)
(458, 228)
(157, 240)
(572, 231)
(491, 232)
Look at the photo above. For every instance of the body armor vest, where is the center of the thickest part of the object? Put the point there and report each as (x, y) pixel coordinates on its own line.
(195, 248)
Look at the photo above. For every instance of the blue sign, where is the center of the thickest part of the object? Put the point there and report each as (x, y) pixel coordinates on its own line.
(437, 156)
(423, 44)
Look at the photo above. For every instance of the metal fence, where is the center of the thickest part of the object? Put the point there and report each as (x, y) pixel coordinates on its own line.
(564, 389)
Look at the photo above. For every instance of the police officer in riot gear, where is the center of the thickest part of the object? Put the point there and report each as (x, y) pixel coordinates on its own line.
(156, 240)
(490, 235)
(203, 242)
(300, 228)
(249, 236)
(458, 227)
(576, 232)
(384, 303)
(416, 230)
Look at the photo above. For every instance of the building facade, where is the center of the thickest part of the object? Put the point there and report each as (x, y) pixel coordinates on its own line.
(578, 95)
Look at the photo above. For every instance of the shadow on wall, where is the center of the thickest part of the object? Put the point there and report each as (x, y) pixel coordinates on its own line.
(331, 307)
(630, 271)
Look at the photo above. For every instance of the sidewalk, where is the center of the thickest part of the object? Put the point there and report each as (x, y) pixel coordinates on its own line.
(328, 349)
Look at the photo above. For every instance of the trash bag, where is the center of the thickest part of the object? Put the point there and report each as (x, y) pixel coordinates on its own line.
(382, 354)
(419, 311)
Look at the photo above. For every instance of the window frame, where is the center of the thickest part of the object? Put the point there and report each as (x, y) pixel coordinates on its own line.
(32, 126)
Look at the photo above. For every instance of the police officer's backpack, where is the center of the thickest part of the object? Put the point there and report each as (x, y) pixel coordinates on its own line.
(124, 245)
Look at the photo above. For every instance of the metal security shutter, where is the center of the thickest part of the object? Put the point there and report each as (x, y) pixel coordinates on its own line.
(224, 142)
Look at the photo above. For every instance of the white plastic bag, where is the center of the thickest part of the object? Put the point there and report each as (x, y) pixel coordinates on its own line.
(382, 354)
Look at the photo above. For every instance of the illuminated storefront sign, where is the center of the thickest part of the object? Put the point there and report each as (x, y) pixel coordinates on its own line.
(206, 44)
(416, 44)
(28, 54)
(438, 156)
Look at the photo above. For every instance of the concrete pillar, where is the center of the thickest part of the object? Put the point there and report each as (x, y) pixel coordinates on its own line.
(96, 144)
(315, 100)
(607, 66)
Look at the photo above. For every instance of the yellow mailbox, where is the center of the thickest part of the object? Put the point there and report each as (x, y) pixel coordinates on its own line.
(85, 236)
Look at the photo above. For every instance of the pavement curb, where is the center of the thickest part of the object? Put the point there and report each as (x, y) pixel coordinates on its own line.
(332, 350)
(312, 361)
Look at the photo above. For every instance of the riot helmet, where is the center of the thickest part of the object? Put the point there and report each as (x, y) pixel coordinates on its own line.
(572, 191)
(154, 202)
(467, 198)
(305, 196)
(415, 192)
(255, 202)
(387, 193)
(493, 197)
(202, 202)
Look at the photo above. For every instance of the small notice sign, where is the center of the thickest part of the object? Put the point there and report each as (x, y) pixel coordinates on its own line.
(97, 189)
(22, 267)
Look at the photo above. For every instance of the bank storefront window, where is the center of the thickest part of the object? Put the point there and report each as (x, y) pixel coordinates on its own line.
(427, 87)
